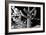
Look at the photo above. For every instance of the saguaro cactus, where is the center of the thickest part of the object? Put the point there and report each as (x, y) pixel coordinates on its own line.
(29, 16)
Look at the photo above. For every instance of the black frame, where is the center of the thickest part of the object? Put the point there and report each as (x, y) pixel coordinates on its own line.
(6, 16)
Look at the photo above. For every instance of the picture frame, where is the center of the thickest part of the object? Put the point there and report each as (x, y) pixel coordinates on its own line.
(30, 17)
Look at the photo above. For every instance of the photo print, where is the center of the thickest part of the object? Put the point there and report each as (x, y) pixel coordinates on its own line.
(25, 17)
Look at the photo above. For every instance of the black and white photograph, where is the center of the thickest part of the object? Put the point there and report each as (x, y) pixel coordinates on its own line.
(25, 17)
